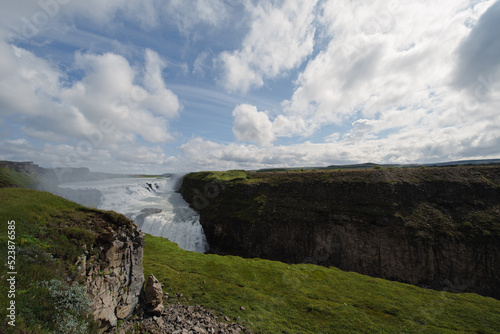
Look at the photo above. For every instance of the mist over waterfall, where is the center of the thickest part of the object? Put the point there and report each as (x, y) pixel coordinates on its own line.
(152, 203)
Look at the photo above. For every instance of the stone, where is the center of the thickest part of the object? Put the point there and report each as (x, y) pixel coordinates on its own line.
(153, 296)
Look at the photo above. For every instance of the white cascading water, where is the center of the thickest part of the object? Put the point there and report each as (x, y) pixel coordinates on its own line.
(153, 204)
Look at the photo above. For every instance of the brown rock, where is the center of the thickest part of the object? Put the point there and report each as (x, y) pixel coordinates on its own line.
(153, 296)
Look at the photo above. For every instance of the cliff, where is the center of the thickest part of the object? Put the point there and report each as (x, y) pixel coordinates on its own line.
(432, 227)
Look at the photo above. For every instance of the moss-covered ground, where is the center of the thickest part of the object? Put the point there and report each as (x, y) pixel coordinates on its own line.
(282, 298)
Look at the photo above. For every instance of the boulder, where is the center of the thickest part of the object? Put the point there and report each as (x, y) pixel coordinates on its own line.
(153, 295)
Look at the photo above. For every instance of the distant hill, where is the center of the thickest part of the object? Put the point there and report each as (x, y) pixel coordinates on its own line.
(370, 165)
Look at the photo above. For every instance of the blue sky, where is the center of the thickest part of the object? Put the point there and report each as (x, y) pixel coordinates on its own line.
(158, 86)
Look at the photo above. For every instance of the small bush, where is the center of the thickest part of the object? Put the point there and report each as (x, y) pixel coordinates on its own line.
(71, 304)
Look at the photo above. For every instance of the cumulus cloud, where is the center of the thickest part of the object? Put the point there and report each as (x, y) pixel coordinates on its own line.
(380, 57)
(281, 37)
(251, 125)
(107, 91)
(99, 112)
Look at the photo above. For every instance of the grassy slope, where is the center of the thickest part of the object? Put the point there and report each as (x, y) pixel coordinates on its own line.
(311, 299)
(11, 178)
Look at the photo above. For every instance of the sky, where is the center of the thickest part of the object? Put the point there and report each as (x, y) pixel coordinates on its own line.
(157, 86)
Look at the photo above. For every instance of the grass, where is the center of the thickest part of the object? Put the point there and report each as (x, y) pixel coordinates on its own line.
(11, 178)
(228, 176)
(374, 174)
(303, 298)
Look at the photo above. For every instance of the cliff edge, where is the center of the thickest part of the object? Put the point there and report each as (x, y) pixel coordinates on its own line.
(432, 227)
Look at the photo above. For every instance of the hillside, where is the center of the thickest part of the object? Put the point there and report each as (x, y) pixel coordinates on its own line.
(434, 227)
(275, 297)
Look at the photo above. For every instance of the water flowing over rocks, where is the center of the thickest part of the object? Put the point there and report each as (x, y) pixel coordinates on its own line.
(151, 202)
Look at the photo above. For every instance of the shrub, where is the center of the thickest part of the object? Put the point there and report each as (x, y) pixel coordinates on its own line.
(71, 304)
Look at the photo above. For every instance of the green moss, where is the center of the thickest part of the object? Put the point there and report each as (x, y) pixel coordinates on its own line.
(302, 298)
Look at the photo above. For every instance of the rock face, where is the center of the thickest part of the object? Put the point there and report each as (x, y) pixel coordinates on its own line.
(432, 227)
(114, 280)
(27, 167)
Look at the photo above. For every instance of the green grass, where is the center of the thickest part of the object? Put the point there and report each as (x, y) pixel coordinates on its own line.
(228, 176)
(11, 178)
(302, 298)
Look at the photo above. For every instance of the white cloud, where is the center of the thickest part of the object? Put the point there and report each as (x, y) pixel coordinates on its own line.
(187, 15)
(379, 81)
(95, 116)
(200, 65)
(161, 100)
(380, 57)
(251, 125)
(479, 53)
(108, 92)
(281, 37)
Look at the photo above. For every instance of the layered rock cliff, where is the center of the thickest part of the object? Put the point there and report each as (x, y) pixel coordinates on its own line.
(432, 227)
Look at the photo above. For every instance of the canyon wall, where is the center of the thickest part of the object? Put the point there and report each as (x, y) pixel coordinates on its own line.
(431, 227)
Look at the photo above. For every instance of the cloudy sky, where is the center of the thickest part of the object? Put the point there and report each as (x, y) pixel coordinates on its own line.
(180, 85)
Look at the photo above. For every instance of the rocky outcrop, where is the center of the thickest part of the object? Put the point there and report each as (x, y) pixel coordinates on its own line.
(26, 167)
(153, 296)
(114, 278)
(432, 227)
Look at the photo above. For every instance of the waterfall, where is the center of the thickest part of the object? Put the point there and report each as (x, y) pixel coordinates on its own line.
(152, 203)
